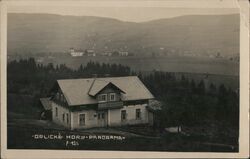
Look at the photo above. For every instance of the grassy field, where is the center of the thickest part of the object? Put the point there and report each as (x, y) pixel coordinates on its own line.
(169, 64)
(20, 137)
(22, 107)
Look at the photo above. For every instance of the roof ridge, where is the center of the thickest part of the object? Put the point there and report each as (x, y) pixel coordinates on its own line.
(91, 85)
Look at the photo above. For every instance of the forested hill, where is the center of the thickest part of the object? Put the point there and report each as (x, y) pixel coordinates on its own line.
(200, 34)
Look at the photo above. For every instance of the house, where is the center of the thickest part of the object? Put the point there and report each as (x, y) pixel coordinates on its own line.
(90, 52)
(123, 53)
(107, 53)
(100, 102)
(76, 53)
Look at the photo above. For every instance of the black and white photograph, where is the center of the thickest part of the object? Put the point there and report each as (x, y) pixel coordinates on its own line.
(127, 78)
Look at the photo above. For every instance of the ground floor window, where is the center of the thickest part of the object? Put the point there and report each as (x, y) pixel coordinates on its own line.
(81, 119)
(63, 117)
(123, 115)
(138, 114)
(67, 116)
(56, 112)
(101, 115)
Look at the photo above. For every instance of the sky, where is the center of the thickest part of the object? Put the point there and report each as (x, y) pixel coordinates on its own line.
(131, 14)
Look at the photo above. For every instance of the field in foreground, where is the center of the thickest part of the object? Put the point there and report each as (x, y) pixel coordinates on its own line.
(33, 136)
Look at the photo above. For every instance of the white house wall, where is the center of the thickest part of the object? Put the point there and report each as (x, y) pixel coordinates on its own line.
(59, 118)
(91, 119)
(115, 115)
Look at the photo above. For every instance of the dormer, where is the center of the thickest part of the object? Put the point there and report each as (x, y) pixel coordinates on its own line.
(104, 91)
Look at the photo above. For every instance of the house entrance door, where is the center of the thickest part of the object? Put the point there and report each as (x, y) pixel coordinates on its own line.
(102, 118)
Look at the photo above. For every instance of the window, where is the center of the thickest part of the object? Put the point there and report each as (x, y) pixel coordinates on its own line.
(103, 97)
(67, 116)
(56, 112)
(101, 115)
(112, 97)
(123, 115)
(138, 113)
(63, 117)
(57, 96)
(81, 119)
(61, 98)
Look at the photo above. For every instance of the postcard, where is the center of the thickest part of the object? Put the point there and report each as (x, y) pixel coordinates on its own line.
(122, 79)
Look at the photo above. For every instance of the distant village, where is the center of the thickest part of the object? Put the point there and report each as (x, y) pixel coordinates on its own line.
(89, 52)
(162, 52)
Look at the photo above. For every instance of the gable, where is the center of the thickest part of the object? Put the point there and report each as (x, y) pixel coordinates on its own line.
(58, 95)
(46, 103)
(100, 85)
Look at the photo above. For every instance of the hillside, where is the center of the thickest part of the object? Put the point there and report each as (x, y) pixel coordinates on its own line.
(198, 34)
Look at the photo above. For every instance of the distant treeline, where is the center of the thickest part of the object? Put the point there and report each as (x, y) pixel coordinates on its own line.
(185, 102)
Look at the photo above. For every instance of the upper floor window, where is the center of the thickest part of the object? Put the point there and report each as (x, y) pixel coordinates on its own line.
(112, 97)
(103, 97)
(61, 98)
(64, 100)
(57, 95)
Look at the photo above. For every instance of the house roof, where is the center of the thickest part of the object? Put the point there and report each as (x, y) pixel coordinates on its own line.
(96, 86)
(76, 91)
(46, 103)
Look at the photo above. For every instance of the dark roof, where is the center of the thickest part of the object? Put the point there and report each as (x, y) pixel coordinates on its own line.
(46, 103)
(76, 91)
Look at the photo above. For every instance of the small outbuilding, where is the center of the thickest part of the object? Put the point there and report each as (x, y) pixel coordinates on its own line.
(46, 113)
